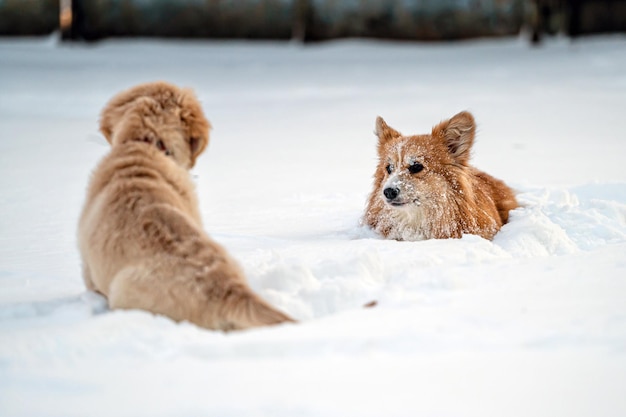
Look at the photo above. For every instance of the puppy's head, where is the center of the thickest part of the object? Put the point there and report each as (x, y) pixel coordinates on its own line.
(416, 172)
(161, 114)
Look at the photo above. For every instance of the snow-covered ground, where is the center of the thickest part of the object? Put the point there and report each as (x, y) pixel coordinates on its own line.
(531, 324)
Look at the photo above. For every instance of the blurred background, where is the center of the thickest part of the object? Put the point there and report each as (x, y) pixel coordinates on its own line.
(310, 20)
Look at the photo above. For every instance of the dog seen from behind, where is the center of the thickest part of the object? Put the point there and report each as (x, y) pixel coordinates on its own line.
(140, 234)
(425, 188)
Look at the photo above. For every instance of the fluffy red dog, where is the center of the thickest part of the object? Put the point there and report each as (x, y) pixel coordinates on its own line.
(424, 187)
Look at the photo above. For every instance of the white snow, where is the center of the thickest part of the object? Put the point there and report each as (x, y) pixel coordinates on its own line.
(530, 324)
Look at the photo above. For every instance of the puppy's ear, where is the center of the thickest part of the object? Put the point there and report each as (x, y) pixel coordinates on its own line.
(114, 120)
(155, 95)
(110, 117)
(115, 109)
(198, 126)
(458, 134)
(384, 131)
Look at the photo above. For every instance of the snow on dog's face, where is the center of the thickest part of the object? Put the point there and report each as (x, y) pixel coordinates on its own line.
(161, 114)
(417, 174)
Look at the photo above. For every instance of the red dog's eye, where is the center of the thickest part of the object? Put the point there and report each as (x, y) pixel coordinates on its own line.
(389, 169)
(160, 145)
(415, 168)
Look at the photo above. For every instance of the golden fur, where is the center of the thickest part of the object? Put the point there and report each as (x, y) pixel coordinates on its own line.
(140, 233)
(424, 187)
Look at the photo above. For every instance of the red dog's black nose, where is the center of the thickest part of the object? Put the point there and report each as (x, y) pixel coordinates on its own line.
(391, 193)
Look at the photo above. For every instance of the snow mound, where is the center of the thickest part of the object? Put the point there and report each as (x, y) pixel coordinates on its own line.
(532, 323)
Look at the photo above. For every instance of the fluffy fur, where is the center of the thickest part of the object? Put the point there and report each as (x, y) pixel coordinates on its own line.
(140, 233)
(424, 187)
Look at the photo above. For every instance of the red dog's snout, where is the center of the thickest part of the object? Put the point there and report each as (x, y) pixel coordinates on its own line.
(391, 193)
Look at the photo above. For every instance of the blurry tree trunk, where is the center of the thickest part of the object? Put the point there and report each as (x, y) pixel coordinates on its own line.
(28, 17)
(599, 16)
(577, 17)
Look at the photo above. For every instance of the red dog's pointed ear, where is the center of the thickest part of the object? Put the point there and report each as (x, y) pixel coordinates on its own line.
(458, 134)
(384, 131)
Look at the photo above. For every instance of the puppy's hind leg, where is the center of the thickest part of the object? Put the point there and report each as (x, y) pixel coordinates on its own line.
(87, 279)
(141, 286)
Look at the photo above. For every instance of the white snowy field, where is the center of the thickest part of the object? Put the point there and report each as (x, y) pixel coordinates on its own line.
(532, 323)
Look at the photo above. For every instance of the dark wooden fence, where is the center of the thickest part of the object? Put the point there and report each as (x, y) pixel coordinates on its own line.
(301, 19)
(308, 20)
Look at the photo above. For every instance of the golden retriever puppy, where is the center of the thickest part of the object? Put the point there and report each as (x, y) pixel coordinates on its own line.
(140, 233)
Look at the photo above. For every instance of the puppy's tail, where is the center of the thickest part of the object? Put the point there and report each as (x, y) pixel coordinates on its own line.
(241, 308)
(232, 306)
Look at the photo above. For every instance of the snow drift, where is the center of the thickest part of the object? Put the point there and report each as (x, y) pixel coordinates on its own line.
(531, 323)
